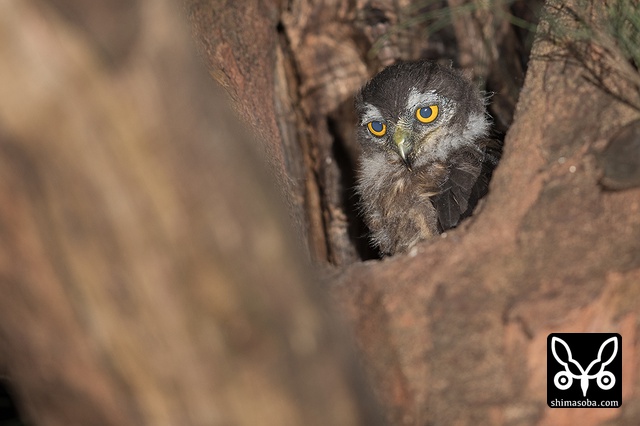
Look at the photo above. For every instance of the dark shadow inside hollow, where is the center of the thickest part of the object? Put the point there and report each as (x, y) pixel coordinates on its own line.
(347, 162)
(9, 413)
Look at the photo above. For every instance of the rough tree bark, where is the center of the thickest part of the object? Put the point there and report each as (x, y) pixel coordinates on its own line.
(147, 276)
(456, 332)
(324, 51)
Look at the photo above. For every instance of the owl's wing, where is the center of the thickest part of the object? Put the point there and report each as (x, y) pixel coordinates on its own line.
(469, 172)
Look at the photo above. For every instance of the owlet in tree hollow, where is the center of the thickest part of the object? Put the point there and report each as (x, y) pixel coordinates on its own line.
(426, 155)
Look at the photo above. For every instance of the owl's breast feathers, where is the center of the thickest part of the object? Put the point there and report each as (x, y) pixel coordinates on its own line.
(406, 206)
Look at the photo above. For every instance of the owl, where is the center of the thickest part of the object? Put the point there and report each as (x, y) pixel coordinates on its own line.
(426, 153)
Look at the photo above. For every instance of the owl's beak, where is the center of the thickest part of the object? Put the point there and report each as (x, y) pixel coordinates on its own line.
(400, 138)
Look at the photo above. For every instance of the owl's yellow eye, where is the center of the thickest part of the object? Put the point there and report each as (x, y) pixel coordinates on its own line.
(427, 114)
(377, 128)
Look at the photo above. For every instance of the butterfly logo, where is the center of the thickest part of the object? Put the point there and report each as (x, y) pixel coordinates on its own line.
(564, 379)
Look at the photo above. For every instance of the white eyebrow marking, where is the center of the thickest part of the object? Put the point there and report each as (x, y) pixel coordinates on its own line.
(371, 113)
(417, 98)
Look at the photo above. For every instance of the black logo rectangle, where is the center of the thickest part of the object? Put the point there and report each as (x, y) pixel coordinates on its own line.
(584, 370)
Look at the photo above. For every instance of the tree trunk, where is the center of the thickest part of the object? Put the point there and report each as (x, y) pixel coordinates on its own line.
(149, 273)
(456, 332)
(321, 54)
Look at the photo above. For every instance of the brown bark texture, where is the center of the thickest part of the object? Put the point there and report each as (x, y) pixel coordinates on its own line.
(455, 333)
(148, 270)
(315, 54)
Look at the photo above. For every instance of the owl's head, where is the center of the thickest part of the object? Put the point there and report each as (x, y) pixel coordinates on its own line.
(415, 113)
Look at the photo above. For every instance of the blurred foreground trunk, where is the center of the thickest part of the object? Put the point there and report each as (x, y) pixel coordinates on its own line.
(148, 271)
(147, 276)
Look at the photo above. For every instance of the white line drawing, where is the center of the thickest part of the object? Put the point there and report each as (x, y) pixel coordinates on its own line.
(564, 379)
